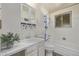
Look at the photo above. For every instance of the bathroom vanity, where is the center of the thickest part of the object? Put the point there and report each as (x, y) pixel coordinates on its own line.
(31, 47)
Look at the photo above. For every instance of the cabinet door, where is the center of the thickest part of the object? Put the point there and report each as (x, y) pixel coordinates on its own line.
(33, 53)
(24, 11)
(21, 53)
(41, 49)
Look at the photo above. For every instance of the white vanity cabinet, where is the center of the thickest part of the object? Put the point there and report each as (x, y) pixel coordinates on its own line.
(31, 51)
(36, 50)
(41, 48)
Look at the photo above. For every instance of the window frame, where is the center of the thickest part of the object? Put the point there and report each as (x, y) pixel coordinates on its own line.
(63, 25)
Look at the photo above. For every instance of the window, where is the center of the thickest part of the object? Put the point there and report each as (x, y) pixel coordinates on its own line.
(63, 20)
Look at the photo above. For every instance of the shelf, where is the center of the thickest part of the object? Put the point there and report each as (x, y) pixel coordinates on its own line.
(30, 24)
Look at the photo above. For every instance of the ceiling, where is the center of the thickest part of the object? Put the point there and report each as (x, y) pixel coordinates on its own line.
(52, 7)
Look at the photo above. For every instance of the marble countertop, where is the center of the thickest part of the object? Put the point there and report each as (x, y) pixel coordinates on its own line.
(22, 45)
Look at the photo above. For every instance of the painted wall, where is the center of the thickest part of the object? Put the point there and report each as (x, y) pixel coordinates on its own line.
(11, 19)
(71, 34)
(40, 13)
(10, 16)
(39, 22)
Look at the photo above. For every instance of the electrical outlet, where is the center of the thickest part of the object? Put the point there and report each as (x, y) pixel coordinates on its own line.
(63, 38)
